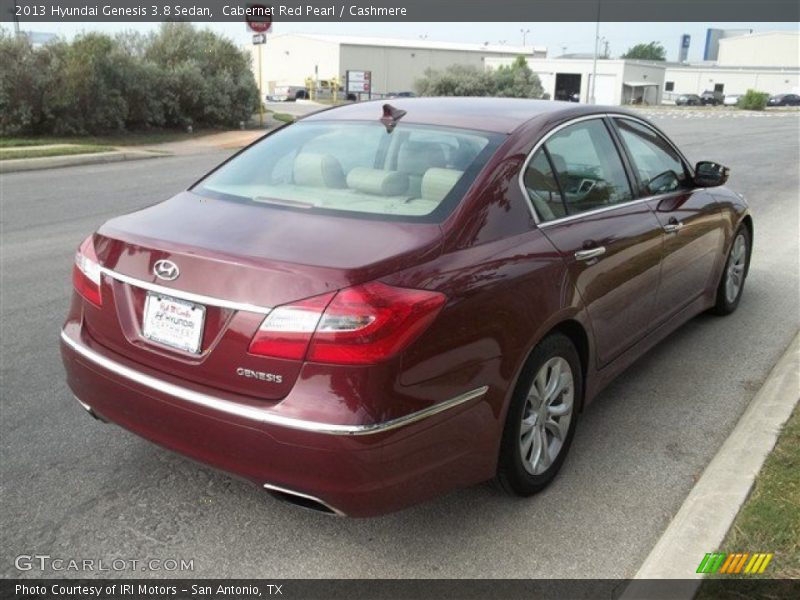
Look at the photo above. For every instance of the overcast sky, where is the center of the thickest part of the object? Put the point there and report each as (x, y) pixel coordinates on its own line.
(558, 37)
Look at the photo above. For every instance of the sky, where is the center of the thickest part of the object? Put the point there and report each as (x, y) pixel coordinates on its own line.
(558, 37)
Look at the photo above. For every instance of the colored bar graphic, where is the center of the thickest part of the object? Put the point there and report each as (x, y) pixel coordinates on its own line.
(721, 562)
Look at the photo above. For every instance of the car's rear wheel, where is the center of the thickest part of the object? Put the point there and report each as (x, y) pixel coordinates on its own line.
(542, 417)
(731, 285)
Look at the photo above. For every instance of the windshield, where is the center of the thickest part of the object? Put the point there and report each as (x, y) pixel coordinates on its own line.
(414, 173)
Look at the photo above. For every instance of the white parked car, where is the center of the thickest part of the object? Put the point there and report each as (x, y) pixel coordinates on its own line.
(731, 99)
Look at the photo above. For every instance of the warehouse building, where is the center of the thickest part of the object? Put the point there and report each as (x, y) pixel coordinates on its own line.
(288, 59)
(767, 62)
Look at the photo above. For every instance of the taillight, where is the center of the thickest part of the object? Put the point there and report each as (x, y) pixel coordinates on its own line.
(360, 325)
(86, 273)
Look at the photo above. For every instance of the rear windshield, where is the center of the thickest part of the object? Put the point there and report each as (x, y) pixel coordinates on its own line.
(414, 173)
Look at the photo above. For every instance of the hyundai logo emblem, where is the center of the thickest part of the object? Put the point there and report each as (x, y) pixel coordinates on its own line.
(166, 269)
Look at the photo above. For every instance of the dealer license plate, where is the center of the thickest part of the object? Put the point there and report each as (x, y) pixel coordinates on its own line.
(173, 322)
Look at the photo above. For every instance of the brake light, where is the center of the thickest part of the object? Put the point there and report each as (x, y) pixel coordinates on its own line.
(86, 273)
(359, 325)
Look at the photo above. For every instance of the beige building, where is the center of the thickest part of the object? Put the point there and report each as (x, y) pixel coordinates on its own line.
(766, 49)
(288, 59)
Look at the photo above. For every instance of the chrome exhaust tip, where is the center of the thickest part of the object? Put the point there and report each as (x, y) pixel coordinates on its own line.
(302, 500)
(89, 409)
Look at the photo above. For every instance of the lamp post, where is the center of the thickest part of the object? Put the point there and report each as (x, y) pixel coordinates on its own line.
(596, 50)
(524, 33)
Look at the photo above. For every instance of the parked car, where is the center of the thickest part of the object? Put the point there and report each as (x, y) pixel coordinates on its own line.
(372, 306)
(784, 100)
(401, 95)
(712, 98)
(732, 99)
(688, 100)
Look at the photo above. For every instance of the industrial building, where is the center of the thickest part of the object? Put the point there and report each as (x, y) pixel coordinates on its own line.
(767, 61)
(288, 59)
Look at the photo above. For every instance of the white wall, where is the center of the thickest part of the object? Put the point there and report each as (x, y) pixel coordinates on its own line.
(288, 59)
(768, 49)
(696, 80)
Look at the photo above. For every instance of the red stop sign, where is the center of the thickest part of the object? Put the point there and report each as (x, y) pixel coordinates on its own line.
(260, 23)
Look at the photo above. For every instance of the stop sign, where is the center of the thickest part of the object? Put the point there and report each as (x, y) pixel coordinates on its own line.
(260, 23)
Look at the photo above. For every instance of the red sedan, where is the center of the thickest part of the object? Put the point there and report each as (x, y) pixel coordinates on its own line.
(378, 304)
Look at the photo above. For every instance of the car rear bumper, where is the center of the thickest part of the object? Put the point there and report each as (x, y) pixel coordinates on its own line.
(348, 469)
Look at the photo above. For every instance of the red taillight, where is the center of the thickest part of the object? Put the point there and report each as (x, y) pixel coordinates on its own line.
(86, 273)
(361, 325)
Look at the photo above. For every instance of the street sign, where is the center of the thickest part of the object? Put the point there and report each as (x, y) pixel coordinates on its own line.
(259, 38)
(259, 18)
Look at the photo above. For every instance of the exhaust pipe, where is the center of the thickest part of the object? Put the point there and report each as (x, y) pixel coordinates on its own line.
(90, 410)
(302, 500)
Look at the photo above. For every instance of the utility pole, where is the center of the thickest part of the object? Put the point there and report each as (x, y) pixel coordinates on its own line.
(605, 48)
(596, 50)
(16, 19)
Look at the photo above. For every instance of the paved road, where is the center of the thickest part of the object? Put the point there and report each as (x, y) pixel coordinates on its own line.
(72, 487)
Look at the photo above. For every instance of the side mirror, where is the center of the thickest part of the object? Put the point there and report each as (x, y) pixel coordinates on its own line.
(710, 174)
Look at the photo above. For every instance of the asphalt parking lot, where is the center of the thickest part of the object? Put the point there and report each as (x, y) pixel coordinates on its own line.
(74, 488)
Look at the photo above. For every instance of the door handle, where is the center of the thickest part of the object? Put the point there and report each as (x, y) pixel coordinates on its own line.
(673, 226)
(590, 254)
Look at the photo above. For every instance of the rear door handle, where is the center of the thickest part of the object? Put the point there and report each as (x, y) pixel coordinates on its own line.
(673, 226)
(590, 254)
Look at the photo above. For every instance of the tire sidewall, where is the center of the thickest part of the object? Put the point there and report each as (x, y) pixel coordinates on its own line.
(723, 306)
(512, 474)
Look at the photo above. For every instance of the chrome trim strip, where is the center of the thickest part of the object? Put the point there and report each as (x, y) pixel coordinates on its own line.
(259, 414)
(189, 296)
(275, 488)
(541, 142)
(85, 406)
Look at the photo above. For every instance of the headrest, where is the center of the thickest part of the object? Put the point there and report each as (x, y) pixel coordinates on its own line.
(318, 170)
(377, 181)
(415, 158)
(437, 183)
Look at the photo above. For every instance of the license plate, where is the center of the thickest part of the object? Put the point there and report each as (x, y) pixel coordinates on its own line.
(173, 322)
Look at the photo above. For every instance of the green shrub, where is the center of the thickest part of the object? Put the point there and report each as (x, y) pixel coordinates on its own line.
(513, 81)
(174, 77)
(753, 100)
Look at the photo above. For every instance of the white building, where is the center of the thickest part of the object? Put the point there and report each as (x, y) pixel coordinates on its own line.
(767, 62)
(288, 59)
(619, 81)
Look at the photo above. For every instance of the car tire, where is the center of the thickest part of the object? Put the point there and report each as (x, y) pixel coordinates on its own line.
(734, 274)
(538, 422)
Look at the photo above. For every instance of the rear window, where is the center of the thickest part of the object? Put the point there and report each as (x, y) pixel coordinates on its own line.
(414, 173)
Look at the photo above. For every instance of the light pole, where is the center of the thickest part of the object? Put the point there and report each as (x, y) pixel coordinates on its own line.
(524, 33)
(596, 50)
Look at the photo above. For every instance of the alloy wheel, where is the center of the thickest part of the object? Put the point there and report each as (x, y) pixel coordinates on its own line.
(734, 271)
(547, 415)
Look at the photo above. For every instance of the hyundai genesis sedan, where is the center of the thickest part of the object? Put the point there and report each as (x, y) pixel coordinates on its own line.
(383, 302)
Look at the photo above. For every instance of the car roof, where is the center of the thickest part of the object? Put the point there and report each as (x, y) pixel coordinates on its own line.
(501, 115)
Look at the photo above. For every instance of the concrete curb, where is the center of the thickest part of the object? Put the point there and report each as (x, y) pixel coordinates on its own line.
(706, 515)
(55, 162)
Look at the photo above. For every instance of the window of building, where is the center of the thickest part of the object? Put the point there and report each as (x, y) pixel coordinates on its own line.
(669, 86)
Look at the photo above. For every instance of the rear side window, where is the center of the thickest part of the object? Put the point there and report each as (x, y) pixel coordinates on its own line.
(540, 183)
(658, 166)
(588, 167)
(414, 173)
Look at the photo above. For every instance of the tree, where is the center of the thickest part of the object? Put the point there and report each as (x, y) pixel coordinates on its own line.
(97, 83)
(651, 51)
(517, 81)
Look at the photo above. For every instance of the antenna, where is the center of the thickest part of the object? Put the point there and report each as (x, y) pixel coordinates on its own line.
(391, 115)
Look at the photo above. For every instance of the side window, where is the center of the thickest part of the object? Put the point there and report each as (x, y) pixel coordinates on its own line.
(588, 167)
(540, 183)
(658, 166)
